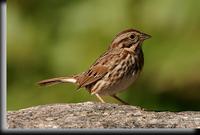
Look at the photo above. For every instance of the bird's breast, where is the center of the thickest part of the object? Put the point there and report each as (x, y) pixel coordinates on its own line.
(119, 77)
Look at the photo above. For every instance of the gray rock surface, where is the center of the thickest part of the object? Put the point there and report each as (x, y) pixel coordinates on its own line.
(98, 115)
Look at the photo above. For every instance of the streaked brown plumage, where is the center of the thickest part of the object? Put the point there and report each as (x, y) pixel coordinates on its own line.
(114, 70)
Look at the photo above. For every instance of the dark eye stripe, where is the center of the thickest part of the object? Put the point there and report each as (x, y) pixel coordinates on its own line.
(129, 45)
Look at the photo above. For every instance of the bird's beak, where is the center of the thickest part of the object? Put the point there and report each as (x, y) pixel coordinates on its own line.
(144, 36)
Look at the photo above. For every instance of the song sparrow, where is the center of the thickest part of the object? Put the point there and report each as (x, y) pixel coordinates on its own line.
(113, 71)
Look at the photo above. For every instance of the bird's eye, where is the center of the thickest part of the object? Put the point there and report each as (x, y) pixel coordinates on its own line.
(132, 36)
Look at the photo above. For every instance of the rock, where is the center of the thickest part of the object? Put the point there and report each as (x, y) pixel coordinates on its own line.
(99, 115)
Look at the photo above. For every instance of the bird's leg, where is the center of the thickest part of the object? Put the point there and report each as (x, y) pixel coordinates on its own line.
(125, 103)
(102, 101)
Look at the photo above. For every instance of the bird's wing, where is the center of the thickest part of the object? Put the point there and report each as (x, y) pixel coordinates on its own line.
(92, 75)
(98, 69)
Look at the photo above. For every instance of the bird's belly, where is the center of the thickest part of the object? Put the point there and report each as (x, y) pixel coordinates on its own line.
(119, 78)
(117, 86)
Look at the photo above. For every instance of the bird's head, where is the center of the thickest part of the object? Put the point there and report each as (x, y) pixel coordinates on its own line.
(129, 38)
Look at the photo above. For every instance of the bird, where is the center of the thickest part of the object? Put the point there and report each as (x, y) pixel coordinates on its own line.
(113, 71)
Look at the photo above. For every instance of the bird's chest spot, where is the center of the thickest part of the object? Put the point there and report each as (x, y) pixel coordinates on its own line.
(118, 78)
(123, 75)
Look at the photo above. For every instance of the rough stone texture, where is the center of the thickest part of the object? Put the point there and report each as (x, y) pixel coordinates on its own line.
(98, 115)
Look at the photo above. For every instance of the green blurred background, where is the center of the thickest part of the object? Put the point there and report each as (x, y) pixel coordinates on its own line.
(51, 38)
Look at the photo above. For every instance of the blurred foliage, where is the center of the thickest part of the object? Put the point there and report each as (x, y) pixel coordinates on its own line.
(51, 38)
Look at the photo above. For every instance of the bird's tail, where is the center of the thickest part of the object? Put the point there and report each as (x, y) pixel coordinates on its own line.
(57, 80)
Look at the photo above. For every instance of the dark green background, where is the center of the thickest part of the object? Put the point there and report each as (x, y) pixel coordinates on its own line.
(51, 38)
